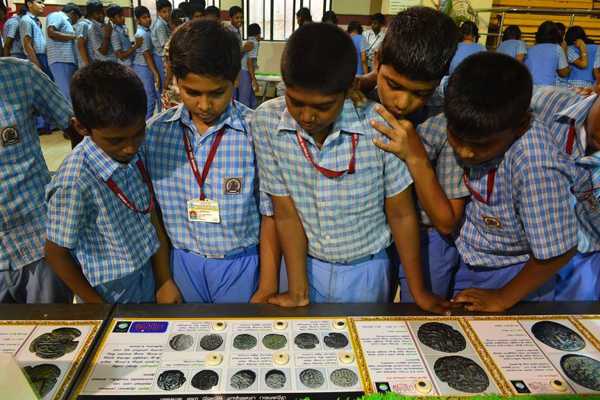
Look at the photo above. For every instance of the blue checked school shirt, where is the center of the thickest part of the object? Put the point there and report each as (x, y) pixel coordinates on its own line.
(160, 34)
(174, 182)
(343, 217)
(146, 46)
(529, 210)
(24, 90)
(63, 52)
(82, 29)
(30, 25)
(120, 42)
(588, 238)
(11, 30)
(95, 38)
(108, 239)
(582, 77)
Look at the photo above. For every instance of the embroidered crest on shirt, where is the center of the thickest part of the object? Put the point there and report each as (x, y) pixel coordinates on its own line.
(233, 185)
(9, 136)
(492, 222)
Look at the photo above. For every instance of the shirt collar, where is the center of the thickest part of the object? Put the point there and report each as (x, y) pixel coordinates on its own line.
(577, 111)
(592, 160)
(232, 118)
(99, 161)
(350, 120)
(33, 17)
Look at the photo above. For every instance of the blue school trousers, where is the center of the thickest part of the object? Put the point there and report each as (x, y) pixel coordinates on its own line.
(40, 122)
(231, 279)
(152, 96)
(158, 61)
(34, 283)
(245, 92)
(134, 288)
(63, 72)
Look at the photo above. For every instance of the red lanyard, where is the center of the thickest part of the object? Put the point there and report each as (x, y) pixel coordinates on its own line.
(116, 190)
(570, 138)
(211, 156)
(491, 177)
(329, 172)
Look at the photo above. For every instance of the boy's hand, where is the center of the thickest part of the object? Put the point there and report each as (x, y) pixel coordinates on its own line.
(488, 300)
(157, 82)
(255, 85)
(262, 296)
(580, 44)
(108, 29)
(139, 41)
(168, 293)
(287, 300)
(433, 303)
(404, 141)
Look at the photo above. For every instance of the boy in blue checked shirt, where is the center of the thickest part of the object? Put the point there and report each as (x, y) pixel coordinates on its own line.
(32, 36)
(520, 228)
(337, 199)
(99, 36)
(104, 238)
(60, 47)
(12, 41)
(201, 160)
(160, 33)
(83, 47)
(24, 275)
(120, 36)
(143, 62)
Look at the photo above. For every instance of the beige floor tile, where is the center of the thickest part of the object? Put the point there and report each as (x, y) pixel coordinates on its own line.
(55, 148)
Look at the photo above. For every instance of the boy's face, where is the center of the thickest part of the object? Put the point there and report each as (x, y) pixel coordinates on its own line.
(73, 18)
(36, 7)
(99, 16)
(165, 13)
(237, 20)
(314, 111)
(376, 26)
(121, 143)
(145, 20)
(206, 97)
(211, 17)
(118, 19)
(400, 95)
(197, 15)
(592, 127)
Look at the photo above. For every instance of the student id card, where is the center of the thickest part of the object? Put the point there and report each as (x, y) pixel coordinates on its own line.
(203, 211)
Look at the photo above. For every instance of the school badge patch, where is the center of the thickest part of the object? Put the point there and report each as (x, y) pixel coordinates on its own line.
(9, 136)
(233, 185)
(492, 222)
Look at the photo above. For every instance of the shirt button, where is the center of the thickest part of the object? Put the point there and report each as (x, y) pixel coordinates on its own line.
(328, 237)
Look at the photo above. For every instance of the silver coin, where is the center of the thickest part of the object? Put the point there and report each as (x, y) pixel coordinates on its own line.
(441, 337)
(181, 342)
(205, 380)
(583, 370)
(243, 379)
(43, 377)
(462, 374)
(211, 342)
(344, 377)
(336, 340)
(275, 379)
(244, 342)
(273, 341)
(557, 336)
(306, 341)
(312, 378)
(171, 380)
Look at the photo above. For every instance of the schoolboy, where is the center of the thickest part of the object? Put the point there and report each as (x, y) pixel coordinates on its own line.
(212, 13)
(24, 274)
(32, 37)
(104, 239)
(248, 83)
(143, 62)
(120, 36)
(336, 197)
(201, 160)
(415, 55)
(520, 227)
(83, 47)
(12, 40)
(160, 33)
(99, 36)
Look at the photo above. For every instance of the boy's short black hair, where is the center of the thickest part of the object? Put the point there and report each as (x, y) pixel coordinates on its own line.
(106, 94)
(93, 7)
(140, 11)
(254, 30)
(561, 28)
(330, 16)
(178, 16)
(576, 32)
(487, 94)
(113, 10)
(319, 57)
(160, 4)
(234, 10)
(548, 32)
(214, 11)
(216, 51)
(194, 8)
(513, 32)
(304, 13)
(355, 26)
(420, 43)
(72, 8)
(468, 28)
(378, 17)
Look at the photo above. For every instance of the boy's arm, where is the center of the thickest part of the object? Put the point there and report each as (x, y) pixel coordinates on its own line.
(270, 261)
(166, 289)
(63, 264)
(363, 60)
(152, 66)
(7, 46)
(533, 275)
(105, 44)
(252, 72)
(405, 143)
(82, 47)
(582, 57)
(403, 222)
(53, 30)
(295, 249)
(30, 51)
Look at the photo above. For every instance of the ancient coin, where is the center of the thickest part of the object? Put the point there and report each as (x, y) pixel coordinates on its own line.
(273, 341)
(55, 344)
(275, 379)
(344, 377)
(244, 342)
(441, 337)
(211, 342)
(583, 370)
(171, 380)
(43, 377)
(312, 378)
(205, 380)
(181, 342)
(243, 379)
(557, 336)
(461, 374)
(336, 340)
(306, 341)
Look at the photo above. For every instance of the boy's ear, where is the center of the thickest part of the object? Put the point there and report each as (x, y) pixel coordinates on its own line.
(79, 128)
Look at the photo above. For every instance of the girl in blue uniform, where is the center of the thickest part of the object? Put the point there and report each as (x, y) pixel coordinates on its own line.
(581, 52)
(512, 45)
(468, 46)
(547, 60)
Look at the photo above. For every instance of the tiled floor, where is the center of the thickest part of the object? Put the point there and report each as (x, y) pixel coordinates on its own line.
(55, 148)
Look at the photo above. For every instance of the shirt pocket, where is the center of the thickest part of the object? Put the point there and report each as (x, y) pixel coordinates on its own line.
(24, 244)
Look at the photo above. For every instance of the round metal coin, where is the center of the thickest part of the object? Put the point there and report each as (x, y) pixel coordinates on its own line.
(244, 342)
(205, 380)
(336, 340)
(461, 374)
(211, 342)
(171, 380)
(43, 377)
(557, 336)
(312, 378)
(243, 379)
(273, 341)
(181, 342)
(583, 370)
(441, 337)
(344, 377)
(275, 379)
(306, 341)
